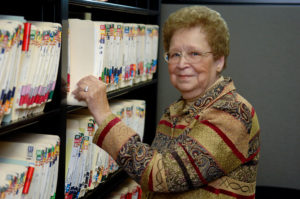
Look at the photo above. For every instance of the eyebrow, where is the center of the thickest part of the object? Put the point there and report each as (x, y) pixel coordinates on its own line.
(189, 49)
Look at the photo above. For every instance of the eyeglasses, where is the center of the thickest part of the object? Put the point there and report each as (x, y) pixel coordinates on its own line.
(192, 57)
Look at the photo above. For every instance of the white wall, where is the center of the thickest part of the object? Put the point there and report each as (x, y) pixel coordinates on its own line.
(264, 64)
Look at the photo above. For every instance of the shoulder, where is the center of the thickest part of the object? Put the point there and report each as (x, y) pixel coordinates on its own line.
(234, 105)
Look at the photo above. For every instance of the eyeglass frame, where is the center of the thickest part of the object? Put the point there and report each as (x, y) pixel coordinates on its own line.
(182, 55)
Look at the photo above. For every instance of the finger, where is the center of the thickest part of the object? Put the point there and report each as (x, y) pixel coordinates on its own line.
(82, 84)
(79, 94)
(87, 81)
(76, 93)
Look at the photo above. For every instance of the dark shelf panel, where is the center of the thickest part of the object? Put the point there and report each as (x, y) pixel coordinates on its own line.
(113, 7)
(30, 120)
(114, 94)
(108, 185)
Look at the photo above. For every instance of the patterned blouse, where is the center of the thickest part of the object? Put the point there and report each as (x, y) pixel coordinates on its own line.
(204, 148)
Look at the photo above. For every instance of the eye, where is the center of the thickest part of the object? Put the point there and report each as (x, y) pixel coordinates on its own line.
(174, 54)
(194, 54)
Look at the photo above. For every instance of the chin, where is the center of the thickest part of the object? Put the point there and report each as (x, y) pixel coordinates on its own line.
(184, 88)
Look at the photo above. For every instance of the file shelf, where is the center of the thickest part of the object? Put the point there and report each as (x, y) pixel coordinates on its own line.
(53, 119)
(118, 93)
(28, 121)
(114, 7)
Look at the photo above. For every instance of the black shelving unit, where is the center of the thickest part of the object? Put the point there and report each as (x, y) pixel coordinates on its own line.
(53, 120)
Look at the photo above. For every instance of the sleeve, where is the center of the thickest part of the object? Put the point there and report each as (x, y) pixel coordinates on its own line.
(209, 149)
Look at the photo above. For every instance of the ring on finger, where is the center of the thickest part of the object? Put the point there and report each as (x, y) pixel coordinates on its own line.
(86, 89)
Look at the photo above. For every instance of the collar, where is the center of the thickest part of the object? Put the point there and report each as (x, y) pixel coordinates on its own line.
(183, 107)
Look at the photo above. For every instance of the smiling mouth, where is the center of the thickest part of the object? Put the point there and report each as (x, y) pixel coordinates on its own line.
(183, 76)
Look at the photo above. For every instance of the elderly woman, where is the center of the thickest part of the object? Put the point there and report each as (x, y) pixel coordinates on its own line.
(207, 143)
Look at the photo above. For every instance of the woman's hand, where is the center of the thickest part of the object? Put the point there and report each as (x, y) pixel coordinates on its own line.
(93, 92)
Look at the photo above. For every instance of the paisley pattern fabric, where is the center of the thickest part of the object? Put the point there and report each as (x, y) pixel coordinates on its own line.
(135, 164)
(235, 108)
(203, 160)
(206, 148)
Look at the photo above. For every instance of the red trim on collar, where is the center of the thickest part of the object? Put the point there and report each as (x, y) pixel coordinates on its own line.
(169, 124)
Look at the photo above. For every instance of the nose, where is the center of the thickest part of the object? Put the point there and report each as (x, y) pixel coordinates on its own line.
(182, 61)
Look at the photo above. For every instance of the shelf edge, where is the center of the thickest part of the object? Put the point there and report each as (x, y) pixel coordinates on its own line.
(113, 7)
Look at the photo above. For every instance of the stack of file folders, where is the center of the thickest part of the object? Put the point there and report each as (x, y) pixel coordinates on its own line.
(29, 60)
(119, 54)
(87, 165)
(29, 166)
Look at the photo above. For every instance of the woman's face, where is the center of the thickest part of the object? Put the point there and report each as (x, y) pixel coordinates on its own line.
(192, 76)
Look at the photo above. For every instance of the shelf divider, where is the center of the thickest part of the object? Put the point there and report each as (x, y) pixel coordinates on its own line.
(113, 7)
(24, 122)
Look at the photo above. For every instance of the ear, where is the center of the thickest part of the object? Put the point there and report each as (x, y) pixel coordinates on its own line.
(219, 63)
